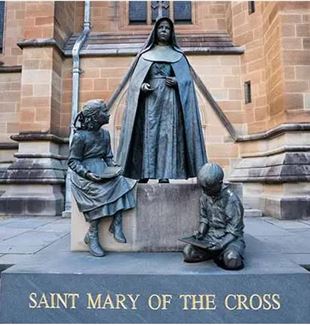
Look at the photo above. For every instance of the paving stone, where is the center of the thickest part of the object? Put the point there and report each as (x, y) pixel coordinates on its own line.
(287, 224)
(7, 232)
(260, 227)
(299, 231)
(288, 244)
(27, 222)
(13, 259)
(256, 246)
(60, 245)
(28, 242)
(59, 227)
(300, 259)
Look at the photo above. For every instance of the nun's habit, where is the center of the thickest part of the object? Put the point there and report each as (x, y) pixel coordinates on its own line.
(161, 134)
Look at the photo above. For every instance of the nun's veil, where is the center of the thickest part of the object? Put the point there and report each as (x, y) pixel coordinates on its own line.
(152, 39)
(149, 43)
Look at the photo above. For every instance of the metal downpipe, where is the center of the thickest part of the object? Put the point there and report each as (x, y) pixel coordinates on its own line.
(76, 71)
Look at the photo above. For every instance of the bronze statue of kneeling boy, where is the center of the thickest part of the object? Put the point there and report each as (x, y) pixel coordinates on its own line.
(220, 233)
(96, 181)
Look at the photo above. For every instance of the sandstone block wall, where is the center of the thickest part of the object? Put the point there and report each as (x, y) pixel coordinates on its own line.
(112, 17)
(9, 106)
(276, 60)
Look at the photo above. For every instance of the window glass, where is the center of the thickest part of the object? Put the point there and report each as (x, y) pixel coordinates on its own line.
(182, 11)
(137, 12)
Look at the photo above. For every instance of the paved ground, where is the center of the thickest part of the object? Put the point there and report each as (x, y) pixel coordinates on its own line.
(23, 237)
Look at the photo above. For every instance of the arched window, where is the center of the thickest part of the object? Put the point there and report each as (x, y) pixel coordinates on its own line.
(146, 12)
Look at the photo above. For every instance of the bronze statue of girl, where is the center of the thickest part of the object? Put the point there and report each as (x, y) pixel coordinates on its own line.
(97, 184)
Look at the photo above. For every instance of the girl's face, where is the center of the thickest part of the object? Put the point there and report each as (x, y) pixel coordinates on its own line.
(103, 116)
(163, 31)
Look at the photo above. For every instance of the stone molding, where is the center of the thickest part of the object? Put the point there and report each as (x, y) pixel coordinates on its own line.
(39, 136)
(212, 45)
(286, 167)
(10, 69)
(8, 146)
(280, 150)
(289, 127)
(35, 155)
(41, 42)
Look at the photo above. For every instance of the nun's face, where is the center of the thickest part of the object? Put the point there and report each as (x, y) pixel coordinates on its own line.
(163, 32)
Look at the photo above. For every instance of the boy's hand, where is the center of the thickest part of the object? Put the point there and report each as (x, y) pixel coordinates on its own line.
(215, 247)
(198, 235)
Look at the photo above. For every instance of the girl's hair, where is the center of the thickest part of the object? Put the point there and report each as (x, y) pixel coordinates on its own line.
(87, 117)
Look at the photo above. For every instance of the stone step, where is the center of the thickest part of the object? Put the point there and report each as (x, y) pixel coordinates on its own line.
(252, 212)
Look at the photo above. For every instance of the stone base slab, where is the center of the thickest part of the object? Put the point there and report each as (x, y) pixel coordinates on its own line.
(164, 213)
(164, 289)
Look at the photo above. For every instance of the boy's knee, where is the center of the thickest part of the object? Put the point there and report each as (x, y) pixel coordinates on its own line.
(232, 260)
(188, 252)
(193, 254)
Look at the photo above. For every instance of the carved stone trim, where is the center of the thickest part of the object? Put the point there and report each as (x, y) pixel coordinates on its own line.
(41, 42)
(282, 149)
(32, 181)
(34, 155)
(8, 146)
(10, 69)
(134, 51)
(290, 127)
(209, 50)
(278, 168)
(39, 136)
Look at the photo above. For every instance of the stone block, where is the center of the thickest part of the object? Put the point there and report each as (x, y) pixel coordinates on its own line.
(288, 208)
(34, 181)
(20, 200)
(306, 43)
(296, 57)
(163, 214)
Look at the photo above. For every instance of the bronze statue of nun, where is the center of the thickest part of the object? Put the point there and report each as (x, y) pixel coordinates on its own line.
(96, 182)
(161, 136)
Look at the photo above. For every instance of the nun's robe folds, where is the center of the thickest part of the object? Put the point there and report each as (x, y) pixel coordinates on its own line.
(161, 133)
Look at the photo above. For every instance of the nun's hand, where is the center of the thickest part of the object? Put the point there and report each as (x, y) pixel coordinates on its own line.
(93, 177)
(146, 88)
(171, 81)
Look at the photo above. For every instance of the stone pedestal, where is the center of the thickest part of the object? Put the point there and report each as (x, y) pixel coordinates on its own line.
(34, 182)
(163, 214)
(66, 287)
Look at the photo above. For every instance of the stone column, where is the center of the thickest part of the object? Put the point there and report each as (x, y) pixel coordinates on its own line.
(275, 155)
(35, 181)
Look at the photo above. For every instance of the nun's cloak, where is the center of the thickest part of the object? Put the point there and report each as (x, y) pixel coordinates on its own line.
(161, 134)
